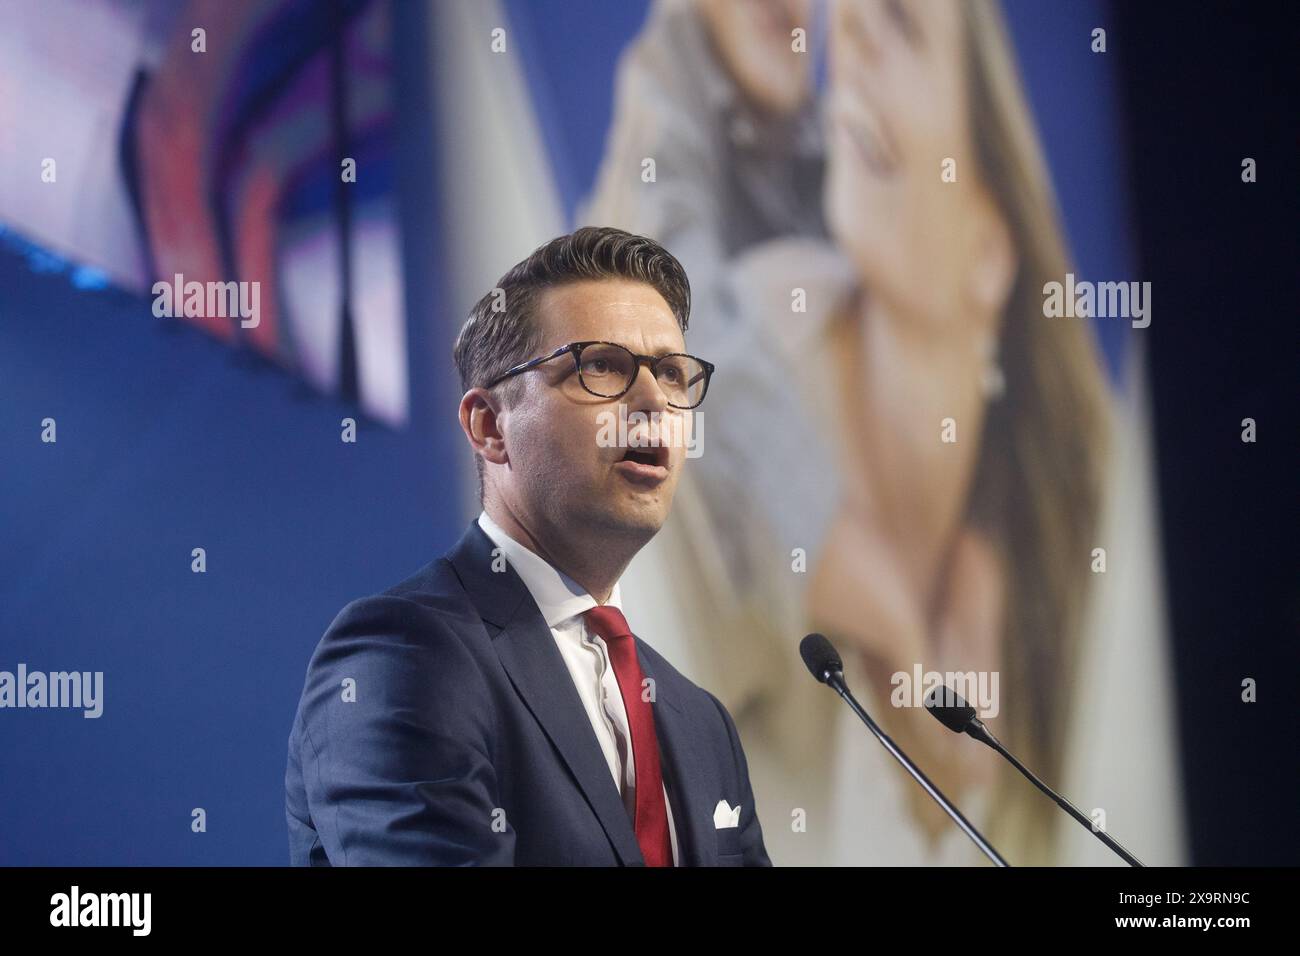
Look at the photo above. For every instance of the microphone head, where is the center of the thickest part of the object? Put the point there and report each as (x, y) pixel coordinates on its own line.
(949, 708)
(820, 657)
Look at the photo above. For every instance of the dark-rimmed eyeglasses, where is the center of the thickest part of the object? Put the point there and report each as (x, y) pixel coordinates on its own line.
(607, 370)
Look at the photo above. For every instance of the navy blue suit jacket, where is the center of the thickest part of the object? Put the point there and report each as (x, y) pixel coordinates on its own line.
(466, 741)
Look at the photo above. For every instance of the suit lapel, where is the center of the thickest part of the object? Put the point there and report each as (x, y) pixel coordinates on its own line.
(528, 653)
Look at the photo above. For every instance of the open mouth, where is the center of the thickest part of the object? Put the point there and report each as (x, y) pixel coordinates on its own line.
(646, 466)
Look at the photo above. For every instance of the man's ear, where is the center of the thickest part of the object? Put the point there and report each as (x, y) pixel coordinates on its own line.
(479, 419)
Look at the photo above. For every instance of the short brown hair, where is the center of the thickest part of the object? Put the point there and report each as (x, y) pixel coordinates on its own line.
(501, 331)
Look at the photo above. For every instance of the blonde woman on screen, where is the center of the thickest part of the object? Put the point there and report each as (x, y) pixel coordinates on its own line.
(827, 497)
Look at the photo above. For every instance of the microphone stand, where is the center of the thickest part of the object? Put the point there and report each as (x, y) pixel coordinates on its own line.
(836, 680)
(981, 733)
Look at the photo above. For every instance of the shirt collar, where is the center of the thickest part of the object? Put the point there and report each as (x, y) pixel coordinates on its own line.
(557, 595)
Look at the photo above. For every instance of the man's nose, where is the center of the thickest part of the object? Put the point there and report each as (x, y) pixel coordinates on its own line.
(645, 393)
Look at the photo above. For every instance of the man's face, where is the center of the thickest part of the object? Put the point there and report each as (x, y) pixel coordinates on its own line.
(563, 472)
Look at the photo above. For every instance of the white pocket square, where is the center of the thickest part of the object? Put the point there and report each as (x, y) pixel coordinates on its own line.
(725, 816)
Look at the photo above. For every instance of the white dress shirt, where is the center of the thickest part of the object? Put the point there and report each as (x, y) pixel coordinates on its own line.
(562, 602)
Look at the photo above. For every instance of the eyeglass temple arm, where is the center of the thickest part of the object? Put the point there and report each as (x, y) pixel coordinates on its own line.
(529, 364)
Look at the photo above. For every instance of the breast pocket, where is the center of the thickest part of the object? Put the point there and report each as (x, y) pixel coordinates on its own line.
(728, 844)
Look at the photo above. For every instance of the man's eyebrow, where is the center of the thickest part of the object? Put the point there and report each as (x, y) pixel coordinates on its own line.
(660, 353)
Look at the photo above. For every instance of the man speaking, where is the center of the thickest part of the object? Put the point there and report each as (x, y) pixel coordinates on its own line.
(496, 707)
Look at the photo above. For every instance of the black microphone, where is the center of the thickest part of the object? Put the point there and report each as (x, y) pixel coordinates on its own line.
(953, 712)
(824, 663)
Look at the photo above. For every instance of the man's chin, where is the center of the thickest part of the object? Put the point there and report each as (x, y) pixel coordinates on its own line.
(635, 518)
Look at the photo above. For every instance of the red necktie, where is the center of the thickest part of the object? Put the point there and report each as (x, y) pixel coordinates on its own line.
(651, 820)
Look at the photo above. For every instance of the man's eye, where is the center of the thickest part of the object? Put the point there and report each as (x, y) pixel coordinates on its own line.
(673, 375)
